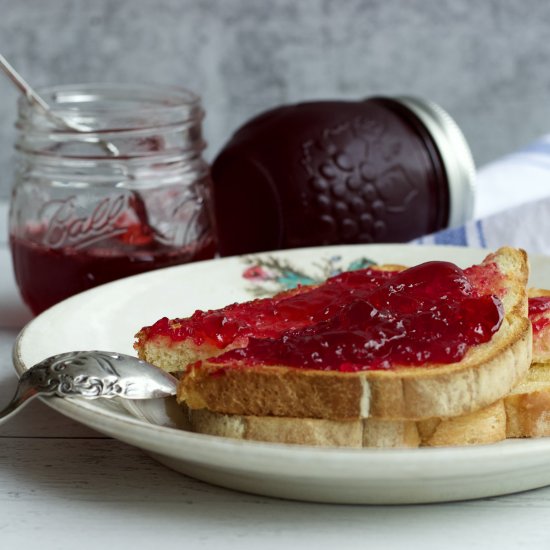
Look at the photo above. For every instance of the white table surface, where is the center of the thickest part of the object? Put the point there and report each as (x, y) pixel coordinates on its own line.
(63, 486)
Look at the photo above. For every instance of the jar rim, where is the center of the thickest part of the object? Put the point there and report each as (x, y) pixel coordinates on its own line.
(126, 105)
(113, 121)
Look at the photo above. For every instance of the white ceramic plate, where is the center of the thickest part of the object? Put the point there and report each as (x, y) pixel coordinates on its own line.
(108, 317)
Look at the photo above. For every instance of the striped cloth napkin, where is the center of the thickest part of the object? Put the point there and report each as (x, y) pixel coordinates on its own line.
(512, 204)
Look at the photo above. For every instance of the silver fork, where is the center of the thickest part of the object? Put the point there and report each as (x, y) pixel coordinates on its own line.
(91, 375)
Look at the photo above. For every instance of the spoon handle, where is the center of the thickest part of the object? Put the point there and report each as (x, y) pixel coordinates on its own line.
(23, 394)
(36, 100)
(32, 96)
(22, 84)
(91, 375)
(63, 378)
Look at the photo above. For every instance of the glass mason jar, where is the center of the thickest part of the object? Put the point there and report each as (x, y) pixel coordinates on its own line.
(119, 189)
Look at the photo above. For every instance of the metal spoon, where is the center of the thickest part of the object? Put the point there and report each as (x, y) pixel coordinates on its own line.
(62, 122)
(36, 100)
(91, 375)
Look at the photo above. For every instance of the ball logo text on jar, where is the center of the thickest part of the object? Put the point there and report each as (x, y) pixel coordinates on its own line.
(66, 229)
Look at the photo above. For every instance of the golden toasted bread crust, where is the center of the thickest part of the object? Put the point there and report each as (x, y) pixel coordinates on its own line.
(302, 431)
(528, 404)
(487, 425)
(483, 427)
(174, 357)
(487, 373)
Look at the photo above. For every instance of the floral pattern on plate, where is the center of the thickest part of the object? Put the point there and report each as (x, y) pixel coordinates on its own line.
(268, 275)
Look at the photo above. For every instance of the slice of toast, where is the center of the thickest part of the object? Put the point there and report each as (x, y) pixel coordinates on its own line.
(528, 404)
(524, 413)
(172, 344)
(487, 372)
(481, 427)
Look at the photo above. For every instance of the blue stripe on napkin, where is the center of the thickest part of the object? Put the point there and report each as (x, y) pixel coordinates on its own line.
(481, 234)
(521, 215)
(454, 236)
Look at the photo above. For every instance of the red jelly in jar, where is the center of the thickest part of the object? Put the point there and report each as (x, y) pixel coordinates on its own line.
(332, 172)
(128, 195)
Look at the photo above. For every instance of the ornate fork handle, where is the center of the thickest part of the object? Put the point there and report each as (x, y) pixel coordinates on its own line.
(91, 375)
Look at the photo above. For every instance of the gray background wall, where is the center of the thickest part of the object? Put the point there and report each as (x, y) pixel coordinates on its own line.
(486, 62)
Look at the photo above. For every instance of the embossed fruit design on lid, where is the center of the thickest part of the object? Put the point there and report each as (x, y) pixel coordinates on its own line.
(332, 172)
